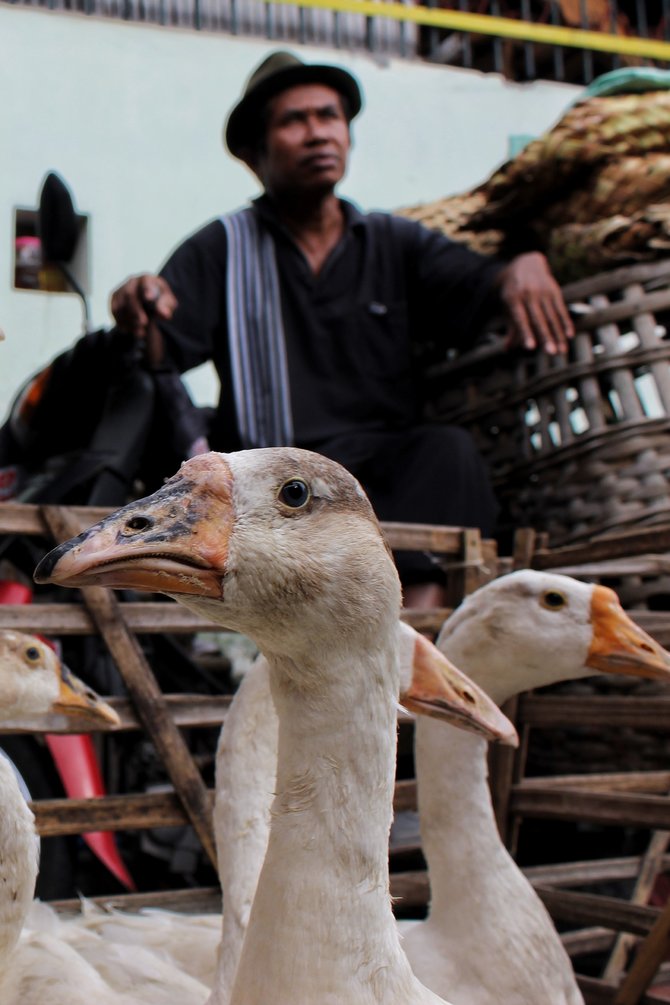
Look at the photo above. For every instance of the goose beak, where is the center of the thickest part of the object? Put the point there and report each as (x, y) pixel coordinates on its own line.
(439, 690)
(619, 645)
(174, 541)
(75, 698)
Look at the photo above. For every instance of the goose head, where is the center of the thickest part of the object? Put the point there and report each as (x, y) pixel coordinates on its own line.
(529, 629)
(34, 682)
(280, 544)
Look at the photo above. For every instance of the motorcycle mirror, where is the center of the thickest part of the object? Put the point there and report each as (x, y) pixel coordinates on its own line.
(57, 221)
(58, 228)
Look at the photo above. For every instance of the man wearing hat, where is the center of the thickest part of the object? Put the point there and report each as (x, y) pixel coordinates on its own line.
(311, 312)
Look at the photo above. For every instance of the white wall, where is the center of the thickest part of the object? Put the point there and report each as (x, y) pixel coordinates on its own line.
(131, 117)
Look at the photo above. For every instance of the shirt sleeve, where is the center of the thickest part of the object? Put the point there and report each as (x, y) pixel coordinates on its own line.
(196, 273)
(452, 290)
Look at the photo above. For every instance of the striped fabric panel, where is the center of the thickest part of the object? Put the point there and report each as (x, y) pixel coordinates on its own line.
(256, 334)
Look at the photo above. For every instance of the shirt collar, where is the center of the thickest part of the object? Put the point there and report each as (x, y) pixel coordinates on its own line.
(265, 207)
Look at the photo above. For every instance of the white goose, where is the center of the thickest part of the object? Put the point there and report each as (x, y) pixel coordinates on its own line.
(282, 545)
(488, 938)
(36, 969)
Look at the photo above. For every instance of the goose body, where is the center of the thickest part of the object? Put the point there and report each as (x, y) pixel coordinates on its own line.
(282, 546)
(36, 969)
(488, 937)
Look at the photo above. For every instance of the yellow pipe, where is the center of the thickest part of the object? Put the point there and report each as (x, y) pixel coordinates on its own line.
(486, 24)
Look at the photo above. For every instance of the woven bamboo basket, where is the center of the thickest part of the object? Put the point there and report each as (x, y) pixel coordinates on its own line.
(577, 446)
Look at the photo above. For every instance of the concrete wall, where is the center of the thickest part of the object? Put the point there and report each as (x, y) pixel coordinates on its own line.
(131, 117)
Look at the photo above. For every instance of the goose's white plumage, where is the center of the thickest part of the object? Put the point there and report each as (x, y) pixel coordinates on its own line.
(307, 576)
(488, 938)
(36, 969)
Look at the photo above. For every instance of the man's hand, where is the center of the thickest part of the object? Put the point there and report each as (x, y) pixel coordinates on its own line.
(536, 312)
(139, 300)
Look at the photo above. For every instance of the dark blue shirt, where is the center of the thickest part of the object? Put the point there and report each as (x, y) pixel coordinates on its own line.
(351, 331)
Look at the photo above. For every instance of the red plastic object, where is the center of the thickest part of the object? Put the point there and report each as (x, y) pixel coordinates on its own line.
(77, 764)
(14, 593)
(75, 758)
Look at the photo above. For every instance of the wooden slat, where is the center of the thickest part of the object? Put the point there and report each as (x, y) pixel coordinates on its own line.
(141, 811)
(650, 954)
(549, 711)
(185, 710)
(624, 545)
(423, 537)
(145, 692)
(592, 909)
(410, 889)
(600, 992)
(585, 941)
(650, 866)
(151, 618)
(591, 871)
(26, 518)
(596, 991)
(202, 900)
(615, 809)
(651, 782)
(614, 279)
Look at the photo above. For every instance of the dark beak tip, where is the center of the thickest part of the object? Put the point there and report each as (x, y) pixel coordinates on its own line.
(44, 570)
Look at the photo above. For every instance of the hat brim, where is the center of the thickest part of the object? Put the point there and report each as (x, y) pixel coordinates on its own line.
(240, 128)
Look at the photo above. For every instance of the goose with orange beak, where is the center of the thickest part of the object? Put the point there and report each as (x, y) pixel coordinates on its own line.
(282, 545)
(522, 631)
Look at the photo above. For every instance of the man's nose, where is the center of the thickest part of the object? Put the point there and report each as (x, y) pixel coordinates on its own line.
(317, 129)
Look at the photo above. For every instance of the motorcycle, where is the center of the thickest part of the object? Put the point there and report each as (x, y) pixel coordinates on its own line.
(104, 422)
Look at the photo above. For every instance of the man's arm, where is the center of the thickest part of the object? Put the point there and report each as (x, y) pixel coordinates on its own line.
(187, 301)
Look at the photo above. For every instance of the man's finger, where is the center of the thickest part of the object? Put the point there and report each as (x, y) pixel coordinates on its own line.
(521, 332)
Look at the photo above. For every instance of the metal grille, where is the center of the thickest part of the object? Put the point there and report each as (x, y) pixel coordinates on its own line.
(628, 20)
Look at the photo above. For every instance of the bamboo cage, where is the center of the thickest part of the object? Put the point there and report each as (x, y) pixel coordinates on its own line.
(578, 446)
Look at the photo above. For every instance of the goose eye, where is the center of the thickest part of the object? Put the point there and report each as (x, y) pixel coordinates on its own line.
(32, 654)
(553, 600)
(295, 493)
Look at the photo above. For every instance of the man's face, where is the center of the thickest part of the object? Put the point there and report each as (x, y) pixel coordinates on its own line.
(306, 141)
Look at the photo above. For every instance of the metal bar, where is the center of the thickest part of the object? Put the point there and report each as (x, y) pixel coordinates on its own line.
(269, 21)
(614, 19)
(370, 34)
(433, 33)
(337, 30)
(587, 57)
(557, 52)
(497, 44)
(465, 39)
(528, 50)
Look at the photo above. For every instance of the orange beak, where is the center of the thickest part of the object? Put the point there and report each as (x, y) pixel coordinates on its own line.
(75, 698)
(438, 689)
(174, 541)
(619, 645)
